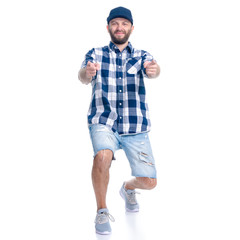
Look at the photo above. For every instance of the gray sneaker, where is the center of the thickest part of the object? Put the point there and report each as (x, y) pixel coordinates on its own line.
(131, 204)
(102, 224)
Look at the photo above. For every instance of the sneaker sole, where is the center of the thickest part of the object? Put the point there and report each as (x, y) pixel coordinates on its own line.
(103, 233)
(128, 210)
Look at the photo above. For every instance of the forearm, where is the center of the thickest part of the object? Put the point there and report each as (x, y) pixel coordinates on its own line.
(82, 76)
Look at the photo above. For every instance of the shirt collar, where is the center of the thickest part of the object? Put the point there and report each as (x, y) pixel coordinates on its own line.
(113, 47)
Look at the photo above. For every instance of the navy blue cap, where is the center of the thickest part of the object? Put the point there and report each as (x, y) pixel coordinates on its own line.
(120, 12)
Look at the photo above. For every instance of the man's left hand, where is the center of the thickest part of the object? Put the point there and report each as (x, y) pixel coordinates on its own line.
(152, 69)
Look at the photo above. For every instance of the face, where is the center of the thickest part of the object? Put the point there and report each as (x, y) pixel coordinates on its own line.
(120, 30)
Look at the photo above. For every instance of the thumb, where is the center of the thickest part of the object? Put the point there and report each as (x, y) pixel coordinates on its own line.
(146, 64)
(90, 64)
(97, 66)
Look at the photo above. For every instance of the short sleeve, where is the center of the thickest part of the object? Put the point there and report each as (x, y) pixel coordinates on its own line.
(146, 57)
(90, 56)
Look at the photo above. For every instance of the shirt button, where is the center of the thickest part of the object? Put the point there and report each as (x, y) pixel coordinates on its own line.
(120, 117)
(119, 67)
(120, 78)
(120, 90)
(120, 104)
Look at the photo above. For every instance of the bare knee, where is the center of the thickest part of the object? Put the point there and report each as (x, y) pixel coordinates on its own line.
(147, 183)
(102, 160)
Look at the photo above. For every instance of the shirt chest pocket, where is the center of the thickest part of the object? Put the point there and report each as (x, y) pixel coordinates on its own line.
(134, 65)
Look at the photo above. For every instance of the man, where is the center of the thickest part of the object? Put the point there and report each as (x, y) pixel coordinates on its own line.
(118, 116)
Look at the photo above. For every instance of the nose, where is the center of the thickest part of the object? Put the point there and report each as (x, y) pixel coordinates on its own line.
(119, 27)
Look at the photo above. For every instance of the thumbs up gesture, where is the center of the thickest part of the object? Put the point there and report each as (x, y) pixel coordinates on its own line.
(91, 69)
(152, 69)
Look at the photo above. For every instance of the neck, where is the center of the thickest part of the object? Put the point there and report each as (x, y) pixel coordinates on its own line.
(121, 46)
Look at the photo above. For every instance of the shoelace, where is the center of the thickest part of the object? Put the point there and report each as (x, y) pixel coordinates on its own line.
(132, 197)
(103, 218)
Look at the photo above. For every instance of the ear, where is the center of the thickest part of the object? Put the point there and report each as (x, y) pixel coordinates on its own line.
(132, 29)
(107, 28)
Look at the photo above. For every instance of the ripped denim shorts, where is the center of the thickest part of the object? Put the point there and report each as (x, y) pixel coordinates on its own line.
(136, 147)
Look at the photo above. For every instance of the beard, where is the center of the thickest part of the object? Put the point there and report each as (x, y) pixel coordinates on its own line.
(120, 40)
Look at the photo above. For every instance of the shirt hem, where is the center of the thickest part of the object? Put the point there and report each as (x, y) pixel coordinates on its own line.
(122, 134)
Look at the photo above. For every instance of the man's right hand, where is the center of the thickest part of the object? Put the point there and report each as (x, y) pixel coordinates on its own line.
(91, 69)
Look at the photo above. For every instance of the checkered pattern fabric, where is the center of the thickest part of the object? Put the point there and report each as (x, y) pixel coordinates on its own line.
(118, 91)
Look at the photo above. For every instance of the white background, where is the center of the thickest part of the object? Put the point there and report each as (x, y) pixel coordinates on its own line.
(45, 150)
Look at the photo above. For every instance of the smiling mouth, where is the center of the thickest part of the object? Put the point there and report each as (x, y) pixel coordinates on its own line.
(119, 33)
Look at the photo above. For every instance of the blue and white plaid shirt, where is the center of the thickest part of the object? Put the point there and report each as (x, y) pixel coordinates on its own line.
(118, 91)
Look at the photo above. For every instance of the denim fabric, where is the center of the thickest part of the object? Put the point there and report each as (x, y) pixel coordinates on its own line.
(137, 148)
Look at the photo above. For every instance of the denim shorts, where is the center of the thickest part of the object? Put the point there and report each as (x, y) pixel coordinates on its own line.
(136, 147)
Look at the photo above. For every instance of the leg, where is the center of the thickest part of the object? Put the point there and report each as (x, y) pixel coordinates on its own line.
(141, 183)
(100, 176)
(139, 153)
(128, 192)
